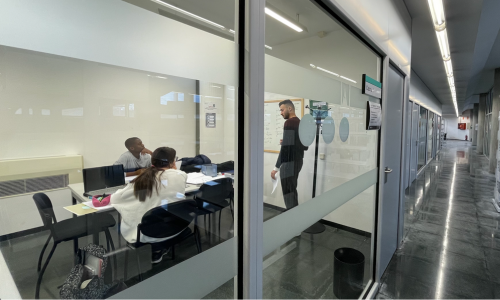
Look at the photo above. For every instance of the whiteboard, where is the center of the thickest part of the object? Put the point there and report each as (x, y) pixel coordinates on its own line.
(273, 123)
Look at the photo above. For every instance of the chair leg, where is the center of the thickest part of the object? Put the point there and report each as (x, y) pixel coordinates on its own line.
(220, 214)
(109, 241)
(125, 267)
(40, 275)
(43, 251)
(197, 239)
(173, 251)
(138, 264)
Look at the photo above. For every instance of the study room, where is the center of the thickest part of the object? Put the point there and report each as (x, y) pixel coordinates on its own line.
(121, 145)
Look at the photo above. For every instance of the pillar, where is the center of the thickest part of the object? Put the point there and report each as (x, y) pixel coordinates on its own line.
(480, 123)
(494, 121)
(474, 123)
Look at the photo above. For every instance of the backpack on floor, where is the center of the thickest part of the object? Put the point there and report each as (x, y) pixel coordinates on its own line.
(86, 279)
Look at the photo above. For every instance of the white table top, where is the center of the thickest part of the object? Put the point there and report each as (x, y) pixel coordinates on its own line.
(77, 191)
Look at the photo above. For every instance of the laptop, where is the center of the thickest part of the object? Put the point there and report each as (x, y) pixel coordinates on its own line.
(100, 180)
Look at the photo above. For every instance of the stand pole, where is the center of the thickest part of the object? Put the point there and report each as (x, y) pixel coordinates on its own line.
(316, 227)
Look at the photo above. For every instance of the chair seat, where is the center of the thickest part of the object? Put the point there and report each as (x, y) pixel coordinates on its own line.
(82, 226)
(179, 238)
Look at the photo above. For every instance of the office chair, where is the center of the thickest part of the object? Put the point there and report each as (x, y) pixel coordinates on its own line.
(167, 220)
(67, 230)
(213, 198)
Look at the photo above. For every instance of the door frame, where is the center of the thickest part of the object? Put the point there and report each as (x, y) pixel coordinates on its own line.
(387, 63)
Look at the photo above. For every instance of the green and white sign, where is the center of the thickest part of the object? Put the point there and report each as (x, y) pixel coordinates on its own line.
(371, 87)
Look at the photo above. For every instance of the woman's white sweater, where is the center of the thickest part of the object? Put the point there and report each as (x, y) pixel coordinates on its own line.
(172, 188)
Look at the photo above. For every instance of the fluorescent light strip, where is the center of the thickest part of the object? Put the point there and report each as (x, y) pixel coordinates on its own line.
(268, 47)
(188, 13)
(438, 18)
(442, 37)
(437, 13)
(283, 20)
(214, 86)
(448, 67)
(348, 79)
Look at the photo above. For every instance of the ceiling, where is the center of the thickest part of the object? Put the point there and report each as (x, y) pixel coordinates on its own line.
(462, 20)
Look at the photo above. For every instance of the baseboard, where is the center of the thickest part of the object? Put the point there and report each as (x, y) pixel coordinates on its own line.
(14, 235)
(328, 223)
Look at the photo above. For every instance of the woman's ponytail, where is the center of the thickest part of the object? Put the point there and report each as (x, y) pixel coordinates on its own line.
(149, 179)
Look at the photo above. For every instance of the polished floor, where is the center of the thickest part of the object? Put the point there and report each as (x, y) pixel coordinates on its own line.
(451, 246)
(306, 271)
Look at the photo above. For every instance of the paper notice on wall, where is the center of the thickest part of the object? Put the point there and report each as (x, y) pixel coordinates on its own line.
(477, 126)
(373, 116)
(210, 107)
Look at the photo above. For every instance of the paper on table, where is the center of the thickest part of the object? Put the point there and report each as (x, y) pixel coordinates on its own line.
(200, 178)
(89, 204)
(275, 181)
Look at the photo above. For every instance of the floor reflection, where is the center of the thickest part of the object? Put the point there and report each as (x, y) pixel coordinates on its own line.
(451, 247)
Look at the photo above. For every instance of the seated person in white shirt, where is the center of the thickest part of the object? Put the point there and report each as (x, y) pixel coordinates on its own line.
(136, 159)
(160, 182)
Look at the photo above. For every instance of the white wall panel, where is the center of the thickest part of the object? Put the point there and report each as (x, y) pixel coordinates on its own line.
(115, 32)
(420, 94)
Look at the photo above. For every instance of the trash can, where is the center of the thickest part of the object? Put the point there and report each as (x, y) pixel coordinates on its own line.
(348, 272)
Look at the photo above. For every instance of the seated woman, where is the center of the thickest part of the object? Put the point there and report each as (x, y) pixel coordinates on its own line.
(159, 183)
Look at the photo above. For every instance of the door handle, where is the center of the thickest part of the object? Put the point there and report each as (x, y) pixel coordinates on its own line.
(388, 170)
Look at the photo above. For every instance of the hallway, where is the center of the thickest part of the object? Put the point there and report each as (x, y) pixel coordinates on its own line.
(451, 247)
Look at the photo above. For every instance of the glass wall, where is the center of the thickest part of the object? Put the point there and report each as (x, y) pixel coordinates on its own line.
(319, 144)
(487, 123)
(422, 138)
(430, 135)
(127, 99)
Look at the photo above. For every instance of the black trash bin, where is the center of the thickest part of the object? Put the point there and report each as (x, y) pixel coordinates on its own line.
(348, 272)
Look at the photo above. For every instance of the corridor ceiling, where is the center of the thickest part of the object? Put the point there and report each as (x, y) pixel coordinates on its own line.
(474, 45)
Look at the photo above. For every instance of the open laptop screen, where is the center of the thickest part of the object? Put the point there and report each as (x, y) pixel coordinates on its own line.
(103, 177)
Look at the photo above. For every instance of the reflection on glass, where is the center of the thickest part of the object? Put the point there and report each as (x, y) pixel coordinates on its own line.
(430, 135)
(422, 137)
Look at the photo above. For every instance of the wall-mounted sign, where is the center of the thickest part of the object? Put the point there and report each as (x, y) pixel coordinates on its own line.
(371, 87)
(210, 120)
(373, 116)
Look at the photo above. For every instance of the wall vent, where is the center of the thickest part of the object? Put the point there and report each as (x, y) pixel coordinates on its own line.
(33, 185)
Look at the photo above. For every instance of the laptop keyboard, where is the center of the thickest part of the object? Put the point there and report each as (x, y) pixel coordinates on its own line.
(107, 191)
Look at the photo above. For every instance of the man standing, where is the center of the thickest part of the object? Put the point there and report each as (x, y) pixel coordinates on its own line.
(291, 155)
(136, 158)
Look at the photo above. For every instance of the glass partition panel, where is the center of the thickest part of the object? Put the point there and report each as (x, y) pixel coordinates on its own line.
(430, 136)
(118, 122)
(422, 137)
(320, 161)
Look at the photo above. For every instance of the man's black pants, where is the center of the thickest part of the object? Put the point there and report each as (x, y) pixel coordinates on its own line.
(289, 175)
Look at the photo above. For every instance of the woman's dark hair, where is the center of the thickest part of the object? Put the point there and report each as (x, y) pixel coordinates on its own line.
(148, 180)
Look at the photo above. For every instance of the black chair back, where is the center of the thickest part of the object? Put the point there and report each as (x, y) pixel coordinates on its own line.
(167, 220)
(45, 209)
(216, 193)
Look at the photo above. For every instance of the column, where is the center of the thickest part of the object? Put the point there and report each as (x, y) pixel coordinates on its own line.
(474, 123)
(494, 121)
(480, 122)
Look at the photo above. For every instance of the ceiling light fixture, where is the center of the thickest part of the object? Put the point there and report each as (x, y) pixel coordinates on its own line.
(442, 37)
(274, 13)
(268, 47)
(448, 67)
(437, 12)
(188, 13)
(439, 21)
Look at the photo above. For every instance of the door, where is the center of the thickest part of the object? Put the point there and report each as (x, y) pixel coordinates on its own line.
(414, 142)
(391, 162)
